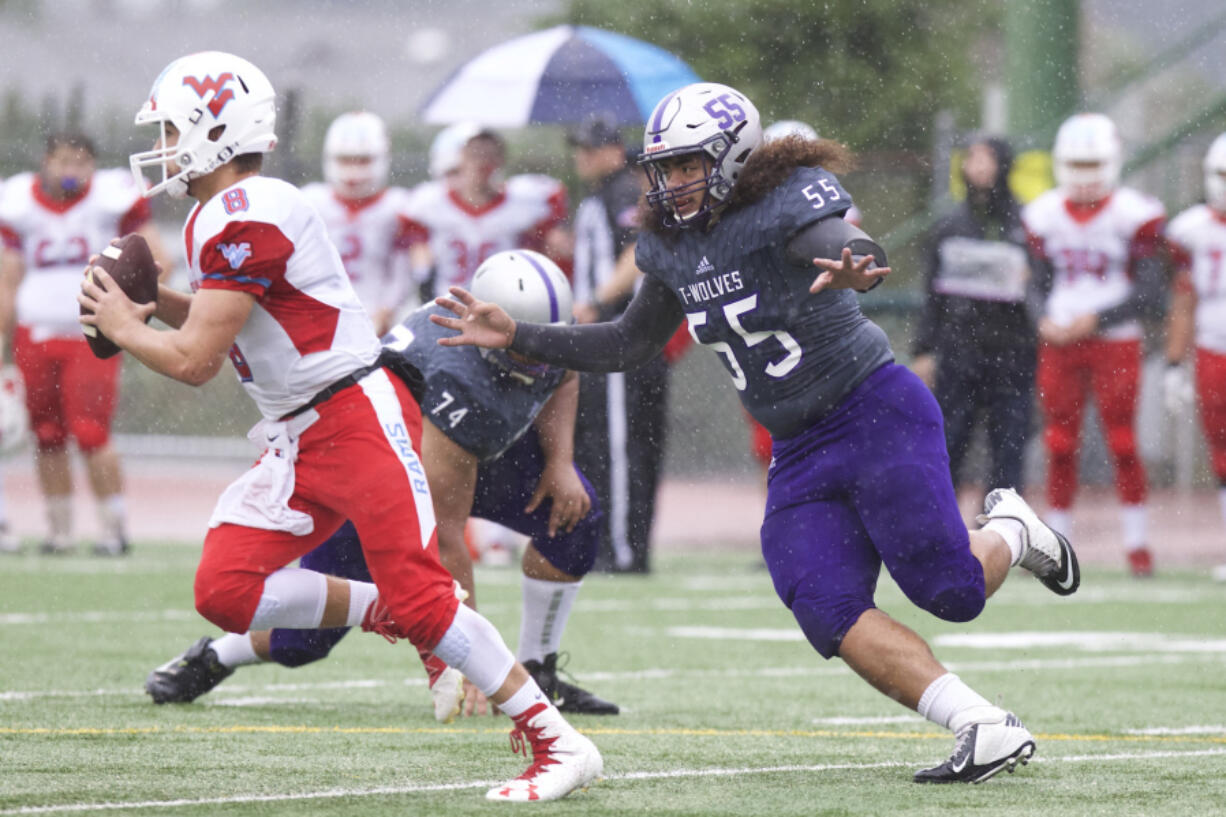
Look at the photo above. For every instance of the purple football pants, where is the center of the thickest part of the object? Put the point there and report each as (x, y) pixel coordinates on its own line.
(868, 484)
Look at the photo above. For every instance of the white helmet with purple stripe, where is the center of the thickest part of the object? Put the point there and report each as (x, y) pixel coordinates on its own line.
(526, 284)
(530, 288)
(707, 118)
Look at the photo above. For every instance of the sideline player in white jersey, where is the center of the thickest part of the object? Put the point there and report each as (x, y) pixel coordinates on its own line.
(1197, 238)
(51, 221)
(270, 291)
(463, 215)
(1098, 267)
(468, 211)
(364, 215)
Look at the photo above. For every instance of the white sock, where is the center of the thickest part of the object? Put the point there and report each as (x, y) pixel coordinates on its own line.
(59, 517)
(112, 516)
(474, 647)
(1060, 520)
(1221, 501)
(3, 518)
(1012, 532)
(235, 650)
(546, 609)
(1134, 519)
(524, 698)
(950, 703)
(361, 596)
(294, 598)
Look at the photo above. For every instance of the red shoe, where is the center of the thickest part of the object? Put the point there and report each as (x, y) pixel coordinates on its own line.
(1141, 562)
(562, 759)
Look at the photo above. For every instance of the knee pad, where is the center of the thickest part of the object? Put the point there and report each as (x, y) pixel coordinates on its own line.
(227, 598)
(49, 435)
(1122, 441)
(1061, 442)
(824, 622)
(573, 553)
(960, 603)
(294, 648)
(90, 434)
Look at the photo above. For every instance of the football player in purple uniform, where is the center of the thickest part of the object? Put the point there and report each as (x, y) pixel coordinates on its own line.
(861, 474)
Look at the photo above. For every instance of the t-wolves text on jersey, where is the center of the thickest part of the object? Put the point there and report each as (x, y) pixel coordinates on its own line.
(792, 355)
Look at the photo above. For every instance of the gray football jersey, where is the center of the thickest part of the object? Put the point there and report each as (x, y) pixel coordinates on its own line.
(482, 403)
(793, 356)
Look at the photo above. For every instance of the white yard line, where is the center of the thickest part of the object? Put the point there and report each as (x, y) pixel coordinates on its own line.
(671, 774)
(232, 693)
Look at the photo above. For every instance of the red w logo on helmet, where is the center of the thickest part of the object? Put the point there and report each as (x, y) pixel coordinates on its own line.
(221, 94)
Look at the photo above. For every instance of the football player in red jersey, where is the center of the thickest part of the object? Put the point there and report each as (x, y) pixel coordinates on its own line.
(270, 294)
(50, 222)
(1099, 270)
(1198, 313)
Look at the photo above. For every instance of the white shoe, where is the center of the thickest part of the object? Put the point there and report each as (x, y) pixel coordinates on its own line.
(562, 759)
(9, 543)
(982, 750)
(1045, 553)
(447, 693)
(1219, 573)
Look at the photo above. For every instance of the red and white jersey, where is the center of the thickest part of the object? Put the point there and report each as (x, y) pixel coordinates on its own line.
(1197, 237)
(1091, 251)
(308, 329)
(56, 238)
(461, 236)
(372, 236)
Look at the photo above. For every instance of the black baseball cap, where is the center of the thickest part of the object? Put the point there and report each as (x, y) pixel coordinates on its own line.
(595, 131)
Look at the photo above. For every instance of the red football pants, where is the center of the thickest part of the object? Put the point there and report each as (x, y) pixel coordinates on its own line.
(68, 390)
(361, 460)
(1066, 374)
(1211, 393)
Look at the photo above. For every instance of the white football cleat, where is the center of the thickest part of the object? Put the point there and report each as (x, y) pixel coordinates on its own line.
(447, 693)
(1045, 553)
(982, 750)
(562, 759)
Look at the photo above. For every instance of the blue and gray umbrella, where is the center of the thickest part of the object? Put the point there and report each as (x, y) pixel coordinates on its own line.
(559, 76)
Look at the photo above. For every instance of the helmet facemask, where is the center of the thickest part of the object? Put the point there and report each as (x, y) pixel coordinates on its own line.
(356, 155)
(716, 122)
(714, 187)
(219, 105)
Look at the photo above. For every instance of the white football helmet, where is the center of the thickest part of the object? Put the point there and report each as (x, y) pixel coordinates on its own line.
(1215, 174)
(788, 127)
(198, 94)
(447, 145)
(1088, 157)
(708, 118)
(530, 288)
(526, 284)
(14, 420)
(358, 135)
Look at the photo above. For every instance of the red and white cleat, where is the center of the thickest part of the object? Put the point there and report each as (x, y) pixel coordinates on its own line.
(562, 759)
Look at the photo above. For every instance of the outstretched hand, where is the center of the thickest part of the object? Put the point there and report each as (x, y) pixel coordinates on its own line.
(479, 323)
(847, 273)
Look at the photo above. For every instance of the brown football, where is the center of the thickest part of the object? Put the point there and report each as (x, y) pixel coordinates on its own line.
(131, 264)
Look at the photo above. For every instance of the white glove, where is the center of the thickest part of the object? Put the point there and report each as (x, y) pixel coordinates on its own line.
(1177, 391)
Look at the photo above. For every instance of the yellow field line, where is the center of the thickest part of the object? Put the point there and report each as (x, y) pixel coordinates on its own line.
(444, 730)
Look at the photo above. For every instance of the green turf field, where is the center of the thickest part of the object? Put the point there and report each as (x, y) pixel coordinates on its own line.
(725, 710)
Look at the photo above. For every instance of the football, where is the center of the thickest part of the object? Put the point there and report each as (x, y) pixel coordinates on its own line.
(131, 264)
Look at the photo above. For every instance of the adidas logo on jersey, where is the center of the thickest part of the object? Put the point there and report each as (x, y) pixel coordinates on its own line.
(704, 266)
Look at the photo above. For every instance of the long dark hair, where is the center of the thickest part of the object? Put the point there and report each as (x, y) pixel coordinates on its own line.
(767, 168)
